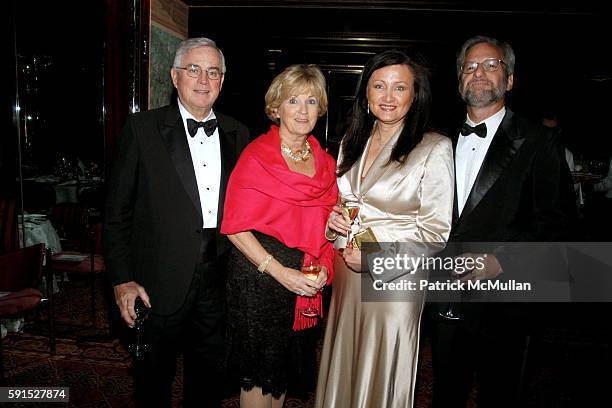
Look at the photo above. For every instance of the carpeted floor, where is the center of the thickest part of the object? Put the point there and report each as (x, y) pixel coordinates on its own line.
(96, 367)
(98, 373)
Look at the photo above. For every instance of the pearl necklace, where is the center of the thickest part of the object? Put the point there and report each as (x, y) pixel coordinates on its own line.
(298, 155)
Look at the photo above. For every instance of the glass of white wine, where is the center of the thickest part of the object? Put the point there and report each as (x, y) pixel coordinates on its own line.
(350, 211)
(311, 270)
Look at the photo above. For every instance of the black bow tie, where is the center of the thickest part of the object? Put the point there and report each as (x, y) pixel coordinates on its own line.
(480, 130)
(209, 126)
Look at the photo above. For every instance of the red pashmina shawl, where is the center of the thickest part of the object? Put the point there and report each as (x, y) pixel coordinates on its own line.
(265, 196)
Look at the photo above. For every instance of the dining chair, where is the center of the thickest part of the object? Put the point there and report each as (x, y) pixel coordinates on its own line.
(70, 221)
(81, 246)
(20, 278)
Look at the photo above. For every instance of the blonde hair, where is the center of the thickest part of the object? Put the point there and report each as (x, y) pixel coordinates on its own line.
(294, 80)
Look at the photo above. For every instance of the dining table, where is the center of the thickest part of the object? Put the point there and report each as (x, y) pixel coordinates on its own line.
(582, 178)
(67, 190)
(37, 228)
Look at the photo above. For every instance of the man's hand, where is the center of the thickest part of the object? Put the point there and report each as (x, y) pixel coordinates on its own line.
(486, 266)
(125, 296)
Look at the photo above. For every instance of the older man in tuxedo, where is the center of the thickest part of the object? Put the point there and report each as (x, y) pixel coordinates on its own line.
(512, 185)
(162, 219)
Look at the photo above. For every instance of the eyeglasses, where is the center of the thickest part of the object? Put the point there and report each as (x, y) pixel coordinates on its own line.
(195, 71)
(489, 65)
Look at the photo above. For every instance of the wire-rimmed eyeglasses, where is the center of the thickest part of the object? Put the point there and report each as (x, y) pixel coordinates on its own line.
(489, 65)
(195, 71)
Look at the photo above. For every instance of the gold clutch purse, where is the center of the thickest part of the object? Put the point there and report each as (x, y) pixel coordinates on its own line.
(366, 236)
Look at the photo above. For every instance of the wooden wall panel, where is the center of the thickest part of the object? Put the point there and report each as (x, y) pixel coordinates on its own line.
(171, 14)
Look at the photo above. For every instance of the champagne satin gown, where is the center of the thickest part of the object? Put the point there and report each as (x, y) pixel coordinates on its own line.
(370, 352)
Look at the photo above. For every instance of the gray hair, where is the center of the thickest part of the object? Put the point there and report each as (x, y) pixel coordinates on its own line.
(191, 43)
(507, 53)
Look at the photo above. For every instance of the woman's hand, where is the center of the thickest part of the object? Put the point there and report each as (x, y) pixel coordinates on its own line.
(336, 222)
(298, 283)
(352, 258)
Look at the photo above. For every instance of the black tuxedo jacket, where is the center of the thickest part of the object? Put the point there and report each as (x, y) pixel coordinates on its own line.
(523, 193)
(153, 216)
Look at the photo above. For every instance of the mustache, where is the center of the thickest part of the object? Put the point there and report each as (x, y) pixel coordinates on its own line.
(477, 81)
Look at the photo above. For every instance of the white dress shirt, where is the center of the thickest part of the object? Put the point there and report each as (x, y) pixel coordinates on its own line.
(470, 153)
(206, 159)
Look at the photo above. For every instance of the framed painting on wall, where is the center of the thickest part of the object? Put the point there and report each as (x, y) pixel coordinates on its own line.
(163, 45)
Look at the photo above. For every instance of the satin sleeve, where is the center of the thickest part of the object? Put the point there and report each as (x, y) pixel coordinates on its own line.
(434, 218)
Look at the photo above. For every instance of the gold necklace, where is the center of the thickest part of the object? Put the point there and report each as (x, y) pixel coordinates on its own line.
(298, 155)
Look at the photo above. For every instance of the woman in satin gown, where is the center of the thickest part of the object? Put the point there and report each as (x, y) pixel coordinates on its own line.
(402, 176)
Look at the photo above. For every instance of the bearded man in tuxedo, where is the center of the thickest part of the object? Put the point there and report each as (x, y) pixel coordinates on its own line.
(512, 185)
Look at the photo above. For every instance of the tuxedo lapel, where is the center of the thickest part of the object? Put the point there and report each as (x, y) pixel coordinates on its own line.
(175, 140)
(455, 139)
(504, 147)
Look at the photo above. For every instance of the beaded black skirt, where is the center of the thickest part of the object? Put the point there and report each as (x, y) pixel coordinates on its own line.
(263, 349)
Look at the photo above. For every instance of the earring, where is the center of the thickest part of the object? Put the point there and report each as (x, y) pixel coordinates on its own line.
(368, 108)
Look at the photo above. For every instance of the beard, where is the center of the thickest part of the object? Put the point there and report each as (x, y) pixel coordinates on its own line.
(479, 98)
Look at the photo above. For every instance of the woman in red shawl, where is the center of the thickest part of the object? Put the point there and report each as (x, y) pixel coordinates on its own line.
(278, 199)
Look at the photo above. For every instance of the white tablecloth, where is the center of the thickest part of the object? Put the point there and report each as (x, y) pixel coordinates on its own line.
(66, 192)
(37, 230)
(10, 325)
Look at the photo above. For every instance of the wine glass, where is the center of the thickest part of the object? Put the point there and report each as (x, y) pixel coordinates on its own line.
(139, 348)
(350, 211)
(450, 312)
(311, 270)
